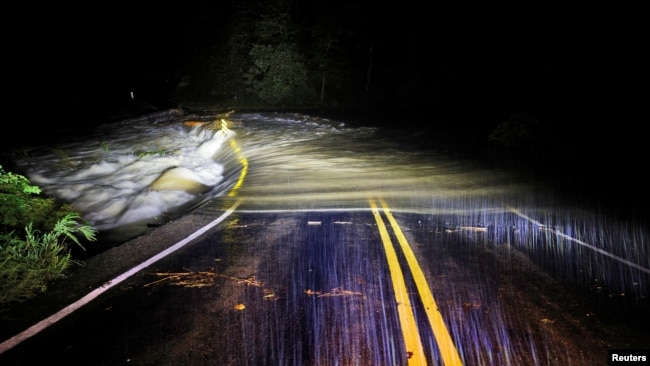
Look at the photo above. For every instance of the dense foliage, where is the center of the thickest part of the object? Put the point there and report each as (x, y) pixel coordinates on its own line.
(274, 54)
(34, 236)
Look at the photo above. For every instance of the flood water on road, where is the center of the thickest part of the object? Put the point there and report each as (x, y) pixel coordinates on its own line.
(118, 178)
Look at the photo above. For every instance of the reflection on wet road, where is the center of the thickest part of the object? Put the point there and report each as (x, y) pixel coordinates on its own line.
(351, 247)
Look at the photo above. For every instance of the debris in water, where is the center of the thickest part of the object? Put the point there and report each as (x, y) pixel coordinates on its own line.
(200, 279)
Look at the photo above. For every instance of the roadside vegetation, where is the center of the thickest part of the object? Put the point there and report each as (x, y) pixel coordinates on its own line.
(35, 237)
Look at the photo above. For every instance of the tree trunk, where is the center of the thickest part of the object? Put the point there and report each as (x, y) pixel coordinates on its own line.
(369, 69)
(322, 89)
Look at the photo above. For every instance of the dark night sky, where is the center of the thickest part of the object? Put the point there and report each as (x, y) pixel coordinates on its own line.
(587, 65)
(96, 51)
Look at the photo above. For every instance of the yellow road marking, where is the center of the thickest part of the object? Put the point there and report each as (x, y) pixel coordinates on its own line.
(244, 163)
(404, 309)
(446, 345)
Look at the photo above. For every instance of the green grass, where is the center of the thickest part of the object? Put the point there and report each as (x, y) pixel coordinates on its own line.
(35, 234)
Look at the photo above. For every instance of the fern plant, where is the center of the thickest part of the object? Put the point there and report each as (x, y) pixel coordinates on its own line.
(34, 237)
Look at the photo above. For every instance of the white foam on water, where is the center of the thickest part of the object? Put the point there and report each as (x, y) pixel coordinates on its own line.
(107, 177)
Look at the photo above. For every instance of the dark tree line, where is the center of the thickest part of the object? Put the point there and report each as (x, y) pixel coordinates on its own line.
(286, 53)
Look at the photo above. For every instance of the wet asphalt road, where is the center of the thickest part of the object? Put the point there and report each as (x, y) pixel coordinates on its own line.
(310, 288)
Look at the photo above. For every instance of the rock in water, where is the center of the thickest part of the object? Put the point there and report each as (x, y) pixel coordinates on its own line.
(209, 148)
(180, 179)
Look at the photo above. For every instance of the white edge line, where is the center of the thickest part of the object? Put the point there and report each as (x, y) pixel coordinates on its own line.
(587, 245)
(36, 328)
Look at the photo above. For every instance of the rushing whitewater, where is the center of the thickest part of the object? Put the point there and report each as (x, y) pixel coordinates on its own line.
(136, 173)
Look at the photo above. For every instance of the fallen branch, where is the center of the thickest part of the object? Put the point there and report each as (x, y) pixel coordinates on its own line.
(201, 279)
(337, 291)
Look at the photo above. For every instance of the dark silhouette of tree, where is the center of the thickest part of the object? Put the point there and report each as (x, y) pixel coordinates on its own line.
(328, 39)
(283, 53)
(276, 73)
(290, 53)
(256, 62)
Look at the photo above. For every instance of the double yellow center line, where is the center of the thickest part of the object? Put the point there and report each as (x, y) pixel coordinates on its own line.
(413, 343)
